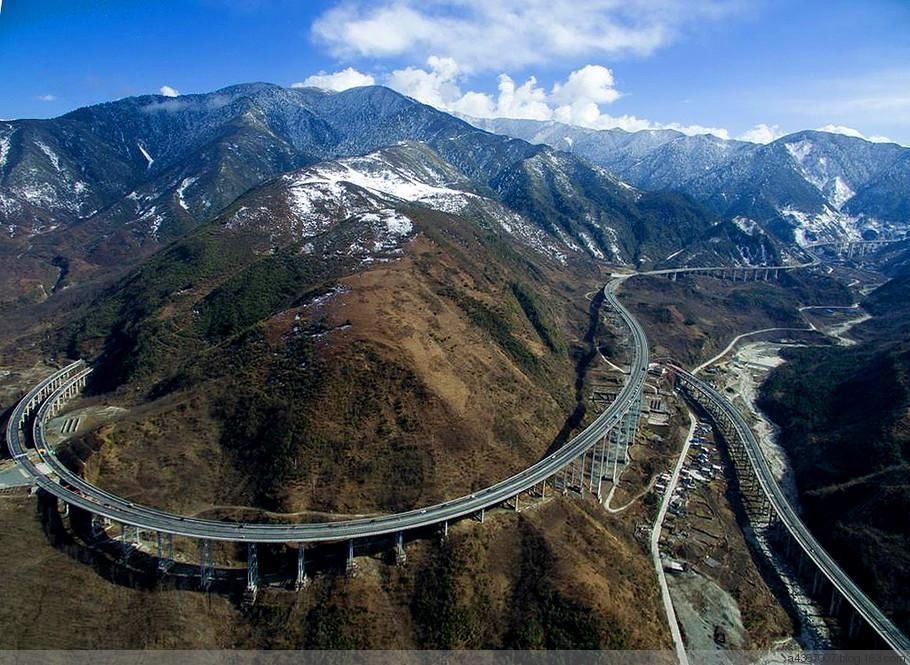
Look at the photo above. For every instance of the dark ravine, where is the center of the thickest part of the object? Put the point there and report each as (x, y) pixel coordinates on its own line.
(585, 355)
(843, 414)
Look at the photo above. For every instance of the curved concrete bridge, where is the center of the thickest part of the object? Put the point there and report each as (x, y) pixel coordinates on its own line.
(581, 464)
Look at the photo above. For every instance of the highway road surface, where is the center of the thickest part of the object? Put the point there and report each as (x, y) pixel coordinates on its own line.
(723, 269)
(678, 642)
(74, 490)
(68, 486)
(794, 525)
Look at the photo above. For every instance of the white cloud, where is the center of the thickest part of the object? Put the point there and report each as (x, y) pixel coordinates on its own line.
(582, 93)
(438, 86)
(168, 91)
(505, 34)
(340, 80)
(575, 101)
(47, 98)
(528, 100)
(631, 123)
(849, 131)
(761, 133)
(593, 82)
(435, 85)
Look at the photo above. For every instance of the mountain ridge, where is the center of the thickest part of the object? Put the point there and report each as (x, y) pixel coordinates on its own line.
(805, 186)
(108, 184)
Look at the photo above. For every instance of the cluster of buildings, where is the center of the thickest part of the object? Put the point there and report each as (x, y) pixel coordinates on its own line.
(702, 466)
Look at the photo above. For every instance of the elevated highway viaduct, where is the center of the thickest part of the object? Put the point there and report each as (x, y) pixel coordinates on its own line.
(854, 248)
(734, 273)
(769, 509)
(580, 464)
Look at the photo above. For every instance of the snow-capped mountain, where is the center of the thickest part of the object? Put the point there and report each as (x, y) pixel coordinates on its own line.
(378, 193)
(105, 185)
(168, 162)
(805, 187)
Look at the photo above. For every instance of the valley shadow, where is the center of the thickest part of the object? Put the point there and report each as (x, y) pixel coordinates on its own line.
(137, 567)
(583, 354)
(770, 574)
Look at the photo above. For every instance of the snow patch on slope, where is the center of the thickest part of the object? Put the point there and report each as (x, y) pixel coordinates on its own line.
(821, 173)
(145, 154)
(748, 226)
(799, 150)
(591, 245)
(389, 228)
(841, 192)
(376, 174)
(186, 182)
(5, 143)
(151, 219)
(829, 224)
(338, 190)
(50, 154)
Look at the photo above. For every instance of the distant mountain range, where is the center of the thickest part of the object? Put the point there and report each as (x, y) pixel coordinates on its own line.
(804, 187)
(105, 185)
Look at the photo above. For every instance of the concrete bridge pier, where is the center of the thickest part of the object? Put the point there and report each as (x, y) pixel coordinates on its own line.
(206, 566)
(816, 581)
(400, 557)
(559, 482)
(252, 574)
(631, 426)
(351, 566)
(164, 549)
(581, 475)
(766, 512)
(615, 444)
(788, 547)
(776, 529)
(594, 477)
(801, 565)
(302, 579)
(601, 469)
(128, 537)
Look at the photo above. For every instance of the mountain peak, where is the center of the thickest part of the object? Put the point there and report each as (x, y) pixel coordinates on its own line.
(804, 186)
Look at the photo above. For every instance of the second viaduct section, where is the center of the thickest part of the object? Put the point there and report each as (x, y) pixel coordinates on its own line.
(581, 464)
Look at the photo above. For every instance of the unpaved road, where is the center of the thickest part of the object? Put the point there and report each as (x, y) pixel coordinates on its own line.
(678, 642)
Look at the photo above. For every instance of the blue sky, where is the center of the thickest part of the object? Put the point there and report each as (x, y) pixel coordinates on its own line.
(734, 67)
